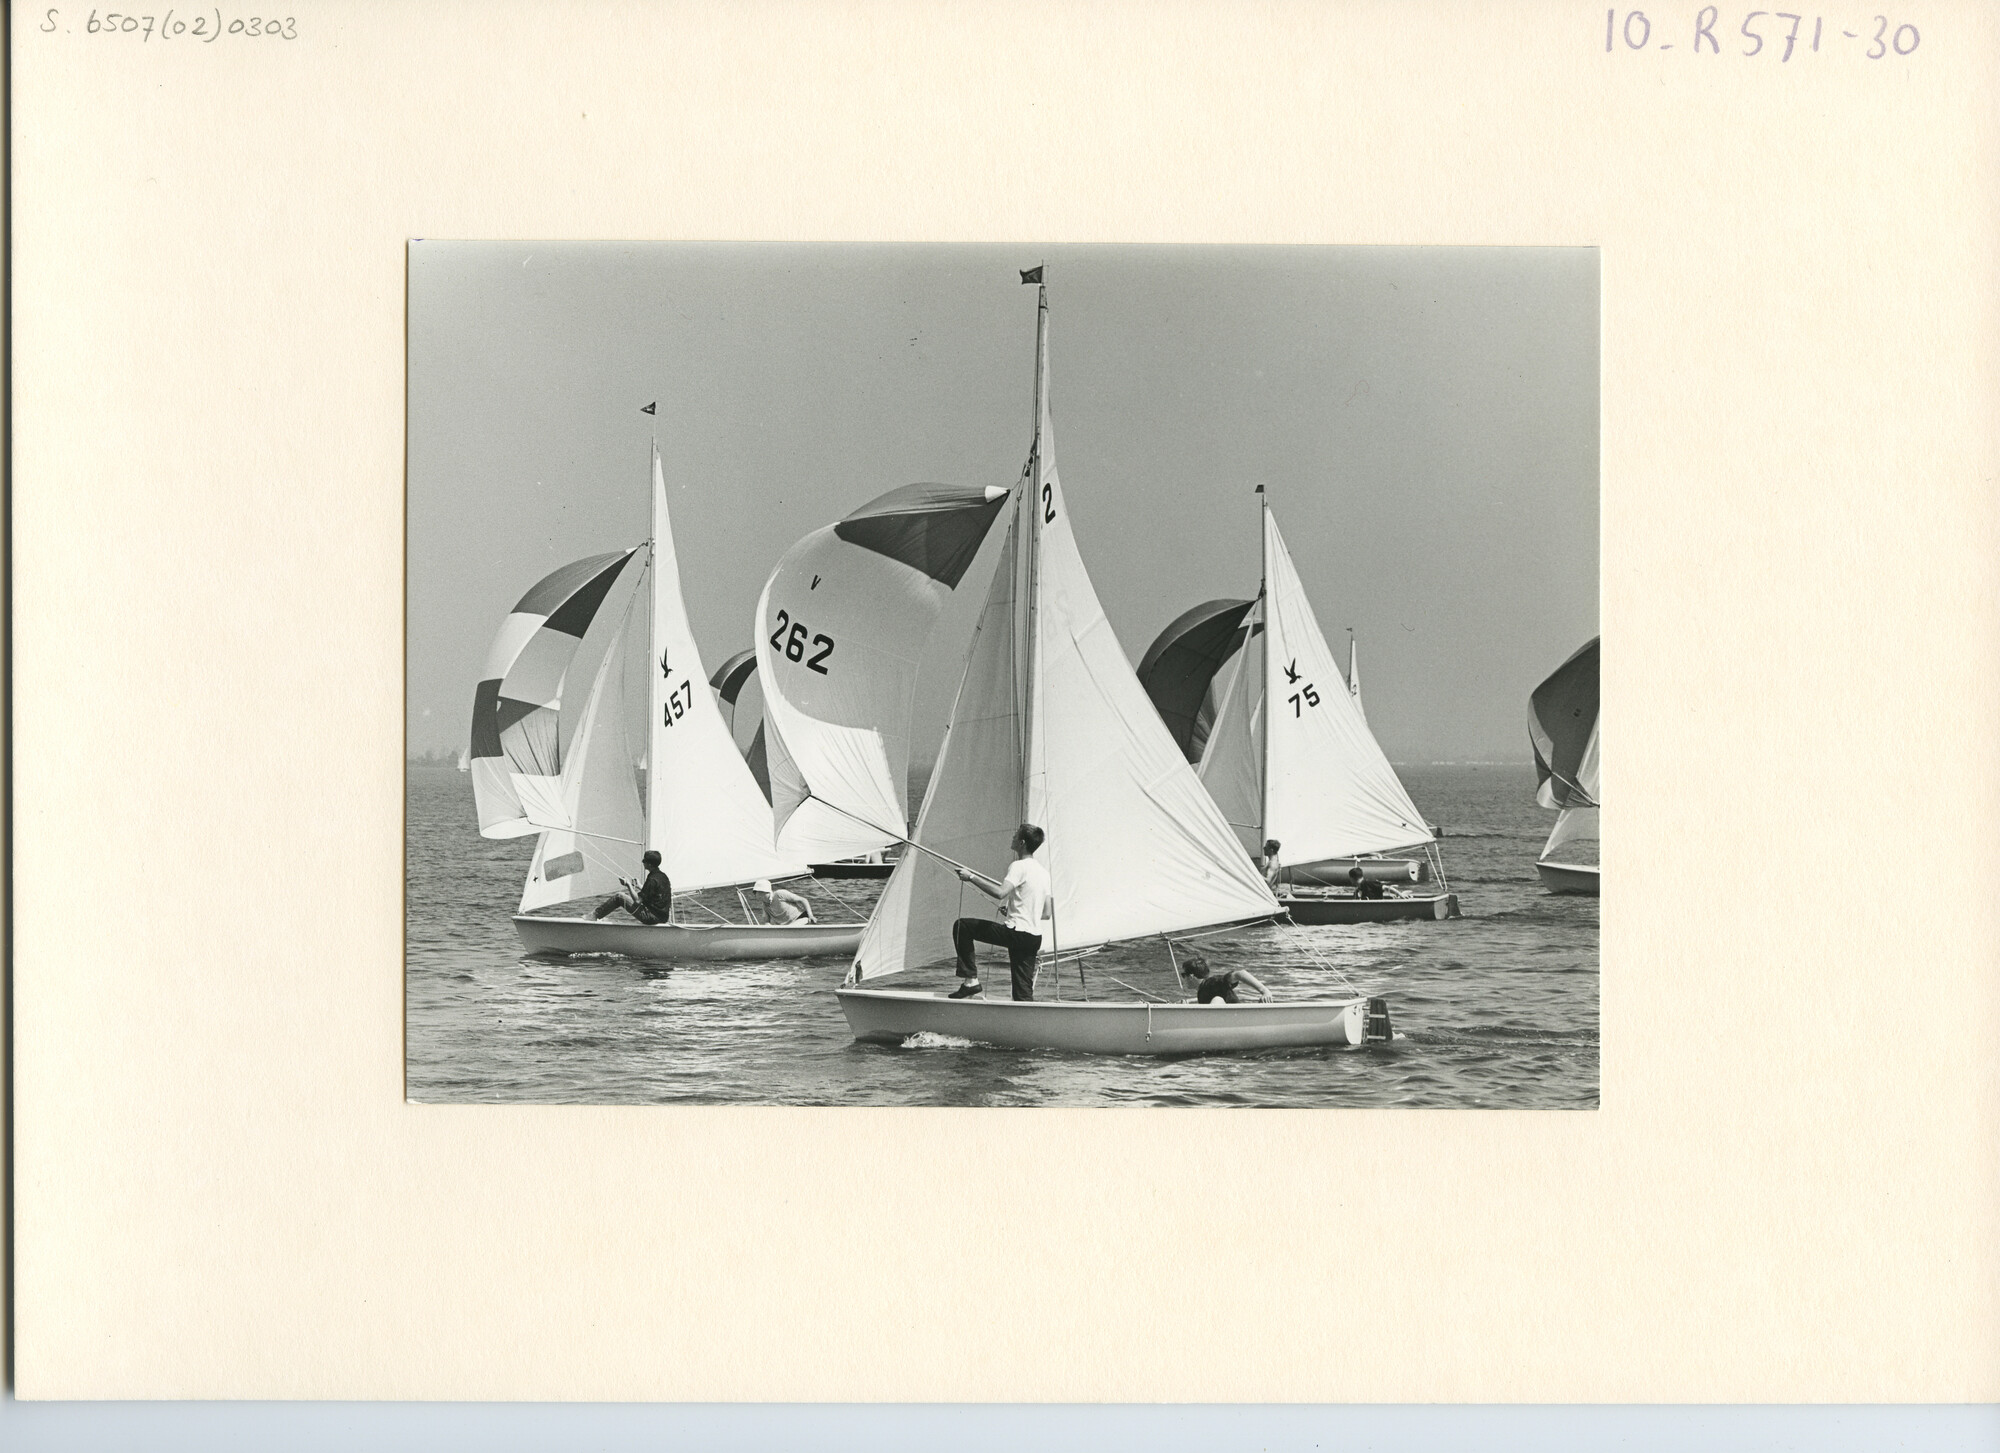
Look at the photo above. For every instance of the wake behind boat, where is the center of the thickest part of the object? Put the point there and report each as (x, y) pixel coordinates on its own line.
(1050, 727)
(698, 805)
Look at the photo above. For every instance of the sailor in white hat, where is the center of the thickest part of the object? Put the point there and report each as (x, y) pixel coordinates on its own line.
(780, 905)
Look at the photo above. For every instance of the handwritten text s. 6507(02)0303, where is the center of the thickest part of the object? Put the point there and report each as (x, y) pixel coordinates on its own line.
(204, 27)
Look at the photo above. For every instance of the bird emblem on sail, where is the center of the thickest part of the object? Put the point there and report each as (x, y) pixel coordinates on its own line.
(666, 671)
(1292, 672)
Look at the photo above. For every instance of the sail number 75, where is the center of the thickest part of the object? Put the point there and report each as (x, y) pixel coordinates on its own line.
(1311, 696)
(790, 638)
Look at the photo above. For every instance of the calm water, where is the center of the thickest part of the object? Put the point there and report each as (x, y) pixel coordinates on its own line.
(1497, 1009)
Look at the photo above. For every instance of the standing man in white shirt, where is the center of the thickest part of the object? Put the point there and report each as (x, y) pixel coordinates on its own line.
(1025, 898)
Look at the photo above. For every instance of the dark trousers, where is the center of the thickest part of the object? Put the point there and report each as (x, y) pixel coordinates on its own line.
(631, 905)
(1021, 950)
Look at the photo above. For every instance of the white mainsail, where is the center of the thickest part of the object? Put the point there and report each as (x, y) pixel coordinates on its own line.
(843, 623)
(1328, 789)
(704, 811)
(1052, 727)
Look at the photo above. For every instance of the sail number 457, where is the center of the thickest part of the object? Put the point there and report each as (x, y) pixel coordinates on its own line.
(790, 638)
(674, 707)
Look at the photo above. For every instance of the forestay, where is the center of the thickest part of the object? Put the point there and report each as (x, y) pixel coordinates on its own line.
(843, 623)
(704, 811)
(1051, 726)
(516, 749)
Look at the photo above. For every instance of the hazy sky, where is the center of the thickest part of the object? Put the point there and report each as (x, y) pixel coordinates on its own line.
(1425, 420)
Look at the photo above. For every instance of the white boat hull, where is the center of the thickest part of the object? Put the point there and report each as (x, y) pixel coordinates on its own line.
(1568, 878)
(893, 1015)
(685, 942)
(1346, 908)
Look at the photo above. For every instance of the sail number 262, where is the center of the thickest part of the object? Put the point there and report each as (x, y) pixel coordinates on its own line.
(791, 638)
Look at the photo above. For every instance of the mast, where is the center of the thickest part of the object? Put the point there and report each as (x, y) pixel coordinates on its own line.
(1033, 552)
(654, 704)
(1263, 613)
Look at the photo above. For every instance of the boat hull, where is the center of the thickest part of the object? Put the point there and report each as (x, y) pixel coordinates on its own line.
(892, 1015)
(685, 942)
(851, 870)
(1315, 911)
(1332, 872)
(1568, 878)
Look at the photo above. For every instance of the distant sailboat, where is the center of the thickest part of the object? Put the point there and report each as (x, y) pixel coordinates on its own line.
(1050, 726)
(1562, 728)
(697, 804)
(1354, 676)
(1286, 751)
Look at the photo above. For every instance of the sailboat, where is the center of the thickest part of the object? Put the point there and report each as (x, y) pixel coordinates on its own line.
(1049, 726)
(698, 804)
(1286, 752)
(1562, 728)
(1354, 676)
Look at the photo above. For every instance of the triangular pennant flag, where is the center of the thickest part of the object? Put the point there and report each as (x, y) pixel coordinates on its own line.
(650, 407)
(1032, 275)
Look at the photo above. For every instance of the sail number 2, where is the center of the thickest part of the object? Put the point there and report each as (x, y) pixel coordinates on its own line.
(791, 639)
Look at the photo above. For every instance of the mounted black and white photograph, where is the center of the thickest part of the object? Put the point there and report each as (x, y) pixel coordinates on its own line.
(1002, 675)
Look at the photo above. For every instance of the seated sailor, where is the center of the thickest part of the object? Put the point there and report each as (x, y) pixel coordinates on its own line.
(781, 905)
(650, 902)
